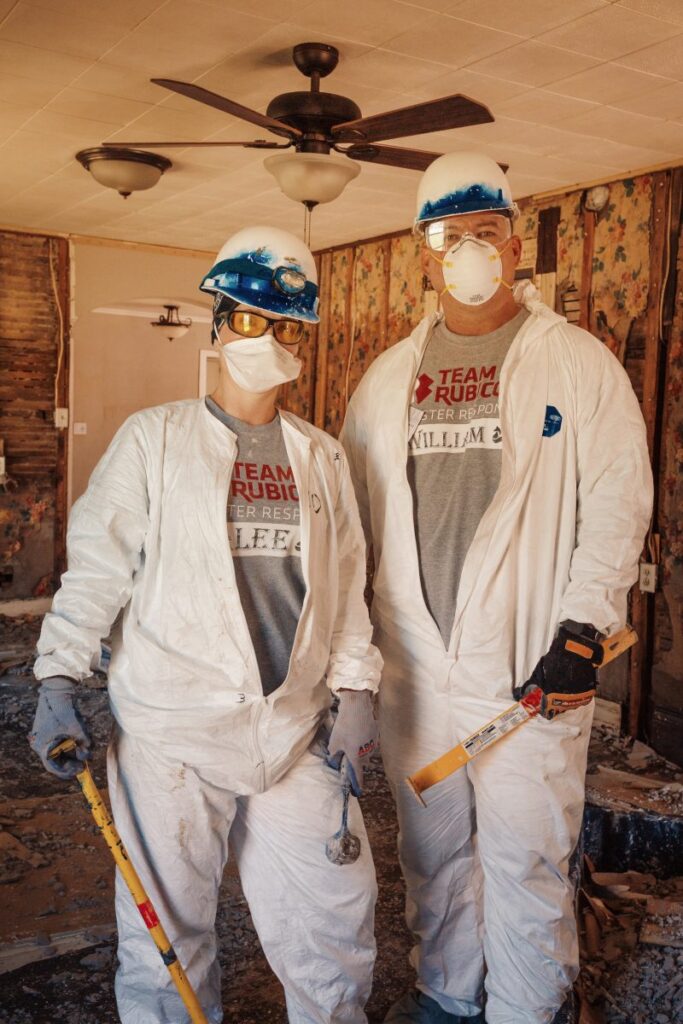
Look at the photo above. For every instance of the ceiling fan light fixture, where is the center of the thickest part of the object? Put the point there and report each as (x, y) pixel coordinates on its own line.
(126, 170)
(172, 324)
(311, 178)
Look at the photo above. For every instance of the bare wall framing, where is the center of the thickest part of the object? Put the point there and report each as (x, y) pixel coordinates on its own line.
(621, 269)
(34, 373)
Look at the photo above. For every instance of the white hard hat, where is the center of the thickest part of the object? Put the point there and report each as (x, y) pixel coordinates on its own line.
(462, 183)
(268, 270)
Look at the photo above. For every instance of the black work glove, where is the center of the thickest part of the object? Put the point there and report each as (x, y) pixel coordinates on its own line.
(567, 674)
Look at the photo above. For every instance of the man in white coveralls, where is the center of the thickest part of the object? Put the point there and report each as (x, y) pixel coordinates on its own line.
(228, 533)
(501, 471)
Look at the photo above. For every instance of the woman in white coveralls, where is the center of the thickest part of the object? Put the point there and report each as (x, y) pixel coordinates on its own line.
(228, 533)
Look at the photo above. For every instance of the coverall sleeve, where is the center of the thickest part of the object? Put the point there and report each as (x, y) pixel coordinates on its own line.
(355, 664)
(105, 538)
(352, 437)
(614, 499)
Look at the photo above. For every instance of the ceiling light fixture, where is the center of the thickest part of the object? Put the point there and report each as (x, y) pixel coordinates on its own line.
(311, 178)
(126, 170)
(174, 327)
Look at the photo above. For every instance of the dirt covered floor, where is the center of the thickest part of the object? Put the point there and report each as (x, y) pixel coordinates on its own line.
(57, 926)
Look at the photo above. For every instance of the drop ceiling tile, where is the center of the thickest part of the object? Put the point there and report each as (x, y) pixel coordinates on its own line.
(62, 192)
(631, 129)
(40, 64)
(127, 13)
(183, 32)
(24, 92)
(43, 153)
(529, 184)
(91, 37)
(83, 129)
(273, 10)
(533, 63)
(124, 83)
(450, 41)
(96, 107)
(482, 88)
(665, 102)
(661, 59)
(544, 107)
(610, 32)
(12, 118)
(383, 69)
(668, 10)
(436, 6)
(167, 123)
(373, 21)
(574, 170)
(607, 83)
(526, 19)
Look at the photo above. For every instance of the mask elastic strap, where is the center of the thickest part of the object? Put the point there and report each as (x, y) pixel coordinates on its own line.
(215, 336)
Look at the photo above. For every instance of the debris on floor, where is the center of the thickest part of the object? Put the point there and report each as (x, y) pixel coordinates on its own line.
(57, 938)
(624, 978)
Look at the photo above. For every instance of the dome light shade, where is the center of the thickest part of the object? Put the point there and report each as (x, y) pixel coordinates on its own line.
(126, 170)
(311, 178)
(172, 324)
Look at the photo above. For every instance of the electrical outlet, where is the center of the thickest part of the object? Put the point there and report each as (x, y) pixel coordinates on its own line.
(61, 418)
(648, 577)
(80, 428)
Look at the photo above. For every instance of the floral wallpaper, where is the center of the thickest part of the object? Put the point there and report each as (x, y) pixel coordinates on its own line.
(621, 260)
(669, 654)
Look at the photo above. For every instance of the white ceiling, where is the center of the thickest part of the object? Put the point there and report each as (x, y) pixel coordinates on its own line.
(580, 89)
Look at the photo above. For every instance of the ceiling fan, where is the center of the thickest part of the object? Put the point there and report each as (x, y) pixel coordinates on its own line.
(317, 122)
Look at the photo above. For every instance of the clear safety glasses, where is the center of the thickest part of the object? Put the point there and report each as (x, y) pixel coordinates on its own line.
(254, 325)
(442, 235)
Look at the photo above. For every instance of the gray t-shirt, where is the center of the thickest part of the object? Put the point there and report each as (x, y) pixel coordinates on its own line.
(454, 454)
(264, 526)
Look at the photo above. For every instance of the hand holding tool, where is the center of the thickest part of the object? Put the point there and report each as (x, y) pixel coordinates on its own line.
(354, 735)
(568, 674)
(57, 719)
(343, 847)
(517, 714)
(142, 901)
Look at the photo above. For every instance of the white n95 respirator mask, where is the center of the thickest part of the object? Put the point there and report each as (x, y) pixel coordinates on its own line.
(472, 270)
(260, 364)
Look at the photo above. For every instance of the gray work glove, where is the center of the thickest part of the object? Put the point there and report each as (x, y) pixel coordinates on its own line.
(355, 733)
(57, 719)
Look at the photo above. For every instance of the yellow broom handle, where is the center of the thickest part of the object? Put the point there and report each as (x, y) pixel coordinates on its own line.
(142, 901)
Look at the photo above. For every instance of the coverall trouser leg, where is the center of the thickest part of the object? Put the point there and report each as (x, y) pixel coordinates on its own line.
(315, 920)
(514, 814)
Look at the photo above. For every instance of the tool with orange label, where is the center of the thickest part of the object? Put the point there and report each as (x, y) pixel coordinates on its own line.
(106, 826)
(536, 701)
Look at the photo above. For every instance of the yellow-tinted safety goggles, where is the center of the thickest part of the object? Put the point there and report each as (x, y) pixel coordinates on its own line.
(253, 325)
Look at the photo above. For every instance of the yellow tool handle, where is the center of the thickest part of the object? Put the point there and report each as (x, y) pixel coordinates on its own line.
(516, 714)
(113, 840)
(454, 759)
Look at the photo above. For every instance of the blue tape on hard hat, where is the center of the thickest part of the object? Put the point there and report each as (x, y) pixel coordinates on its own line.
(244, 280)
(553, 421)
(475, 199)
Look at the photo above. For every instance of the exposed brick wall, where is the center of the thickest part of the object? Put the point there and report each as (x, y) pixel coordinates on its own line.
(30, 540)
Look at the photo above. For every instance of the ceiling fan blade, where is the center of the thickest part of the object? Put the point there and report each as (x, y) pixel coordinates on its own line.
(435, 116)
(393, 156)
(257, 144)
(212, 99)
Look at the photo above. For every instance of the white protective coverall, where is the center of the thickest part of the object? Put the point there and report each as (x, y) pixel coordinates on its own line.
(560, 540)
(198, 751)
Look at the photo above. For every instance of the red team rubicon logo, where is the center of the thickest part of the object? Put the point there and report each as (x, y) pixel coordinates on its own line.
(459, 384)
(424, 387)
